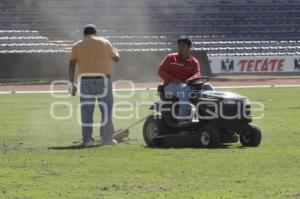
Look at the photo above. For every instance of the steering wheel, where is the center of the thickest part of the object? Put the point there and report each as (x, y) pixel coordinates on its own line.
(196, 84)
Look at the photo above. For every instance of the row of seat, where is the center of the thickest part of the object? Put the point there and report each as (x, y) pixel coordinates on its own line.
(253, 49)
(204, 40)
(165, 2)
(159, 11)
(52, 3)
(15, 36)
(59, 17)
(155, 50)
(42, 51)
(23, 38)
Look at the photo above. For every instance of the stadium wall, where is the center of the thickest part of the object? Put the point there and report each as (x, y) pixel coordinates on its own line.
(35, 66)
(139, 66)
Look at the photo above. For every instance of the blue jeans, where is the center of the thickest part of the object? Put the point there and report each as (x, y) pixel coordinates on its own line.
(182, 91)
(90, 90)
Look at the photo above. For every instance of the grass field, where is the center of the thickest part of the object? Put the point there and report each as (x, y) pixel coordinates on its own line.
(38, 158)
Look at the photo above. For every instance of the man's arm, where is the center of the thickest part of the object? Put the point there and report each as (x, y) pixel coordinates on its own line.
(163, 70)
(72, 65)
(115, 56)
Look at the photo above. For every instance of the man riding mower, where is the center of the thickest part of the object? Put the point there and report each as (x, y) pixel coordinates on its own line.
(192, 107)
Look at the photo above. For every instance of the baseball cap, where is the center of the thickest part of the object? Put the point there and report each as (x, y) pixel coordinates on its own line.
(89, 29)
(186, 39)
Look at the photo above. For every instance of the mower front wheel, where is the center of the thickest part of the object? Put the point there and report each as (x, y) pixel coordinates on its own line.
(251, 136)
(153, 127)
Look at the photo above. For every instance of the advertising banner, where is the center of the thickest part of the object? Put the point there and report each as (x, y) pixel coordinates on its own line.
(255, 64)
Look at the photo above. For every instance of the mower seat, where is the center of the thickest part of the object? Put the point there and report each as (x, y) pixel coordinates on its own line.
(162, 95)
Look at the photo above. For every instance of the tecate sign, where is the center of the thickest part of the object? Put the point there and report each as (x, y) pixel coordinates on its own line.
(255, 64)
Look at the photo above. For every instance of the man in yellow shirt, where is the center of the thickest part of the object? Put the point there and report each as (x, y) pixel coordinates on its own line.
(93, 55)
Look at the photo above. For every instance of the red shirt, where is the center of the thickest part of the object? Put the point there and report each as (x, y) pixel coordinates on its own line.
(173, 67)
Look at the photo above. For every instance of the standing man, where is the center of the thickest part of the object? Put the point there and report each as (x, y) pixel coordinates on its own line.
(93, 54)
(176, 70)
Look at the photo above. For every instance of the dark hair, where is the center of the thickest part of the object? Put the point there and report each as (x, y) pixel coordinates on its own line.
(90, 29)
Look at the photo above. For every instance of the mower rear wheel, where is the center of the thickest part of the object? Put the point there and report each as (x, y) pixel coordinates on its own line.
(209, 136)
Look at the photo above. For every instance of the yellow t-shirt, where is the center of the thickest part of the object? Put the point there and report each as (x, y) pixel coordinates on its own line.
(93, 55)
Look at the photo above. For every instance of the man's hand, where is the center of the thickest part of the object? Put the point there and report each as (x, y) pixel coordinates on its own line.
(190, 81)
(73, 90)
(117, 55)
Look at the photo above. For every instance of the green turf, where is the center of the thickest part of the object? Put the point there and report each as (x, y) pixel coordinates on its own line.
(38, 160)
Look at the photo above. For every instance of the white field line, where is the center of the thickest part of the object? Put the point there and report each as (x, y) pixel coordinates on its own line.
(146, 89)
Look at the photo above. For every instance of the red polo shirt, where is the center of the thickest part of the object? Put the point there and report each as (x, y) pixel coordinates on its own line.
(173, 67)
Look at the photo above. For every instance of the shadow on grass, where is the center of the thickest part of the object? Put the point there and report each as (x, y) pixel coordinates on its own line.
(73, 147)
(186, 146)
(178, 142)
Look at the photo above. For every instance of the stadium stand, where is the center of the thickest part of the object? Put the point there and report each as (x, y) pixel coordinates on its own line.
(149, 26)
(220, 27)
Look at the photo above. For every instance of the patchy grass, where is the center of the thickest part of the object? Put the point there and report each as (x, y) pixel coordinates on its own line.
(38, 158)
